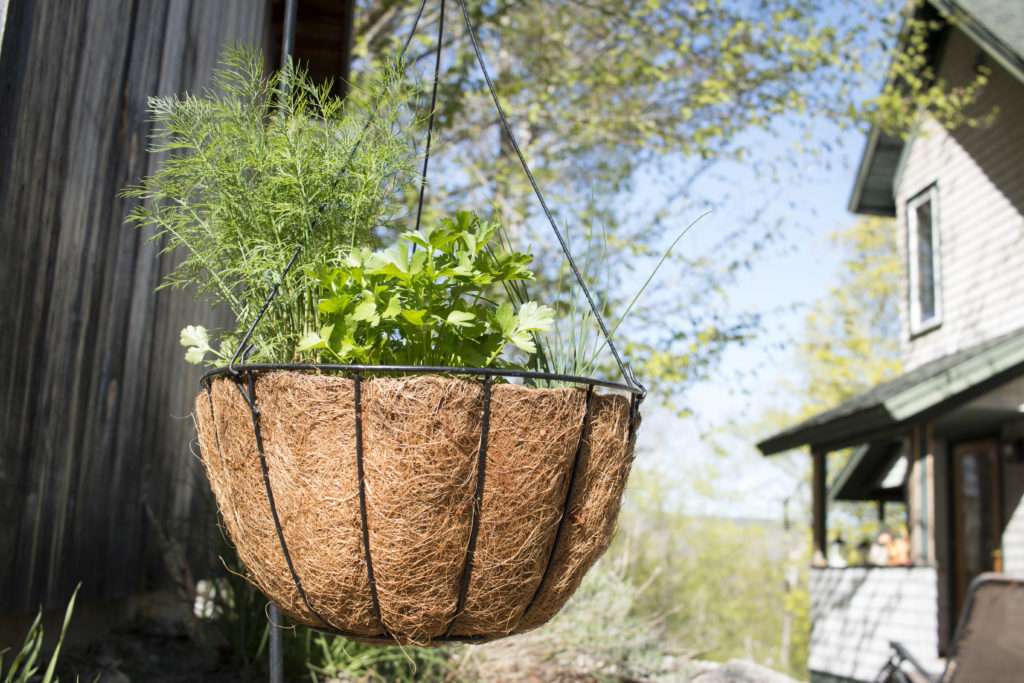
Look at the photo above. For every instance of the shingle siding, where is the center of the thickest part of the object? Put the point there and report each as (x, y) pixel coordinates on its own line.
(980, 207)
(1013, 543)
(856, 611)
(1013, 506)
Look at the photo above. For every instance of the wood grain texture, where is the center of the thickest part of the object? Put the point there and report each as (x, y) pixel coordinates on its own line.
(95, 395)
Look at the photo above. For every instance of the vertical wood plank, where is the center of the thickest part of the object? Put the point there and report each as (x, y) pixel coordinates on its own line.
(819, 495)
(95, 399)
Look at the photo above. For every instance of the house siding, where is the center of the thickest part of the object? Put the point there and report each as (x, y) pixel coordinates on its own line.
(1013, 542)
(856, 611)
(1013, 504)
(980, 213)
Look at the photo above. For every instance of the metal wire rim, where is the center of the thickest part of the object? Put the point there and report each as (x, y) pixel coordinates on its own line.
(370, 370)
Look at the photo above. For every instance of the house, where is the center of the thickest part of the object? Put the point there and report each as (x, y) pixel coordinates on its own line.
(947, 437)
(94, 394)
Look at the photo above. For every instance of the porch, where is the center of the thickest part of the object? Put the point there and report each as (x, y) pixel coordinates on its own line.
(946, 441)
(856, 611)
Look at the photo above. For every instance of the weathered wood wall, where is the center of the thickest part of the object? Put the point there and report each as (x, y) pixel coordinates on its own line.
(94, 393)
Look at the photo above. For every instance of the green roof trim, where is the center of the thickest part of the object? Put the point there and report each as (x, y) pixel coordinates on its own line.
(852, 465)
(940, 384)
(958, 379)
(865, 472)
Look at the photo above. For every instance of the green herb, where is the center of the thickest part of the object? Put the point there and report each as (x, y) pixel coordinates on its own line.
(249, 174)
(424, 302)
(24, 667)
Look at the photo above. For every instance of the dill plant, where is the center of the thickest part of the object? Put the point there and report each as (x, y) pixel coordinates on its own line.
(252, 170)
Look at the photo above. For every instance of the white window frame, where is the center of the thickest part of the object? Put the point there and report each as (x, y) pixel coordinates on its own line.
(918, 326)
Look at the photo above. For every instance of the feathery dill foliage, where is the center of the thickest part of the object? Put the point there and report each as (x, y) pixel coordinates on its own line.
(251, 173)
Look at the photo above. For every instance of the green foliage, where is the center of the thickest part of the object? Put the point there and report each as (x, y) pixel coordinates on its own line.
(598, 636)
(23, 667)
(851, 337)
(249, 174)
(426, 306)
(913, 86)
(720, 585)
(341, 659)
(616, 99)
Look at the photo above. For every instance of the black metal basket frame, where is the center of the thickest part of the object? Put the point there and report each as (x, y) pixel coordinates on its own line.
(244, 377)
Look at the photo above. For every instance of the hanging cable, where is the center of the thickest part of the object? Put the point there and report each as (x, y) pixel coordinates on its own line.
(624, 368)
(430, 119)
(626, 374)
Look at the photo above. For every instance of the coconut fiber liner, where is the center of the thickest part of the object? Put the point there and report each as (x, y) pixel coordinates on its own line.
(421, 438)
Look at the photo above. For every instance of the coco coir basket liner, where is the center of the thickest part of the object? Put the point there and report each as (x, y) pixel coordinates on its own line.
(448, 551)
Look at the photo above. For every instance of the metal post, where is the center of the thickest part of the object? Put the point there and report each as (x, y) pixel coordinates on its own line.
(291, 8)
(276, 658)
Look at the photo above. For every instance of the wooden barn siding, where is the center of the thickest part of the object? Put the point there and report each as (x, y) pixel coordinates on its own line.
(95, 393)
(980, 178)
(856, 611)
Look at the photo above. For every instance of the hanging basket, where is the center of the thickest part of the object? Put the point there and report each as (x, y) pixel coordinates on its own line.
(409, 508)
(418, 504)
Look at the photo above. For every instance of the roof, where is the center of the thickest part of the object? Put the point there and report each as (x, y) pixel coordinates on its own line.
(997, 27)
(941, 384)
(867, 473)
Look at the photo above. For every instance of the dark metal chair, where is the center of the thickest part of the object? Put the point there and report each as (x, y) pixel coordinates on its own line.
(988, 644)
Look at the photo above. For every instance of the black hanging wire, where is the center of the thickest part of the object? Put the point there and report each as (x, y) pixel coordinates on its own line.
(626, 373)
(430, 118)
(624, 368)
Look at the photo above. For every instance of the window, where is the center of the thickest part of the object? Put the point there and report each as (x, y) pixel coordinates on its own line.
(924, 257)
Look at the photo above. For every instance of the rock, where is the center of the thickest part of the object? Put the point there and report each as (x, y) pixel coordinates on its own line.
(741, 671)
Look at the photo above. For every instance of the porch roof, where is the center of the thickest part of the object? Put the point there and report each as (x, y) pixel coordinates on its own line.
(927, 390)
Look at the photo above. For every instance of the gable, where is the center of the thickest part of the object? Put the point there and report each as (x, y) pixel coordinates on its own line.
(997, 28)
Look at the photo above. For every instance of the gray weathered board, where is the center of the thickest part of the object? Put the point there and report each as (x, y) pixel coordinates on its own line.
(94, 393)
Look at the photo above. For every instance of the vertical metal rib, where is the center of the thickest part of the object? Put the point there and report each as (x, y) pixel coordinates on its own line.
(634, 413)
(250, 398)
(213, 421)
(357, 399)
(467, 568)
(565, 508)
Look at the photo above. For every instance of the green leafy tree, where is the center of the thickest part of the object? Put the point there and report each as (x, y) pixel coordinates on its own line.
(614, 99)
(851, 335)
(717, 585)
(849, 344)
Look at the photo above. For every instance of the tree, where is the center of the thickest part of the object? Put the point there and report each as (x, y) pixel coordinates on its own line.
(605, 95)
(850, 343)
(851, 335)
(716, 585)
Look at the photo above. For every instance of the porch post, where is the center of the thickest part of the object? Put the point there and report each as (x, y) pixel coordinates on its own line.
(820, 508)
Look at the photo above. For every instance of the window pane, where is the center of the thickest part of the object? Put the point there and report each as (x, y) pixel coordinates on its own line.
(925, 261)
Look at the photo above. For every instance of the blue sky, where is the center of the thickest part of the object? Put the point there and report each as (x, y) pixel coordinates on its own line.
(797, 271)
